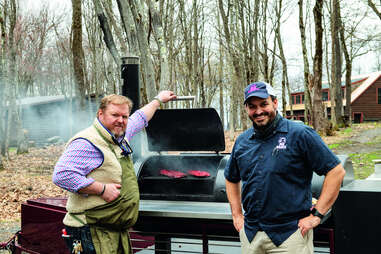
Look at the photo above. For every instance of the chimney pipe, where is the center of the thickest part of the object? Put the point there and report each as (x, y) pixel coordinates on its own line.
(130, 76)
(131, 89)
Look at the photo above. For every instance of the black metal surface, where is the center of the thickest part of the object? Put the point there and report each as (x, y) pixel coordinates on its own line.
(358, 218)
(155, 186)
(130, 88)
(317, 181)
(186, 130)
(130, 76)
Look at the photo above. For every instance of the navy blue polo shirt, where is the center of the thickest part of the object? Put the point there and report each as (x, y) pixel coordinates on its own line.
(276, 175)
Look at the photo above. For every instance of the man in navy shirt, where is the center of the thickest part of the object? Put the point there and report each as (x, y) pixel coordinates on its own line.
(269, 174)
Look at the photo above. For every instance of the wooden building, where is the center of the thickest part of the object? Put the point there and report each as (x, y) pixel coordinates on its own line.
(365, 99)
(44, 117)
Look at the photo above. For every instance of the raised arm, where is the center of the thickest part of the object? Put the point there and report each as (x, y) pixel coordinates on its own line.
(150, 109)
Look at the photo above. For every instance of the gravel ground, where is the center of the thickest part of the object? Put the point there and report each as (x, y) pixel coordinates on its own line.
(364, 142)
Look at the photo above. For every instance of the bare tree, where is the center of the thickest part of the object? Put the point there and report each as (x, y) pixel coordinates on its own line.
(107, 34)
(348, 75)
(142, 34)
(234, 58)
(77, 50)
(319, 122)
(285, 83)
(374, 8)
(336, 95)
(306, 67)
(162, 52)
(3, 72)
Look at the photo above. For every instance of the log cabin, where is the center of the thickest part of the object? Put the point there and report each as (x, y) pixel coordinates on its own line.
(365, 99)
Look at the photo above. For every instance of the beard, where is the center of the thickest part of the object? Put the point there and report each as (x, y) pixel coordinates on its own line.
(264, 123)
(118, 132)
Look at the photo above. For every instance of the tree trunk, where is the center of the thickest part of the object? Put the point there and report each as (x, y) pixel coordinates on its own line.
(348, 74)
(255, 63)
(374, 8)
(307, 95)
(145, 55)
(157, 29)
(3, 72)
(77, 50)
(285, 83)
(108, 6)
(107, 34)
(220, 74)
(336, 95)
(319, 122)
(237, 80)
(129, 27)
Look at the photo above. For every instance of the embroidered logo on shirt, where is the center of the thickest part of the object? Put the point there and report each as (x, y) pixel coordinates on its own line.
(281, 146)
(281, 143)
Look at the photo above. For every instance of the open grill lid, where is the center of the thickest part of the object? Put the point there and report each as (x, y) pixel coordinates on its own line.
(185, 130)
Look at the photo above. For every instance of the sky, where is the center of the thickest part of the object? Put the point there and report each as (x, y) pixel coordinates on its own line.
(54, 5)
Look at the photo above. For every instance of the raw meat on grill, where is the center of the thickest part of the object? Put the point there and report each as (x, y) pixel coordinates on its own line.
(172, 173)
(198, 173)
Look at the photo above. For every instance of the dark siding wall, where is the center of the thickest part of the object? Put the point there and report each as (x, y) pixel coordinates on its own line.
(367, 103)
(47, 120)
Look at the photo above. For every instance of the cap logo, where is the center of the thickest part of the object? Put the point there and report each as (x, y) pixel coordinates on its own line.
(253, 88)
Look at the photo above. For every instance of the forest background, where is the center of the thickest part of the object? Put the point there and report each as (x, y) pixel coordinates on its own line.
(207, 48)
(210, 49)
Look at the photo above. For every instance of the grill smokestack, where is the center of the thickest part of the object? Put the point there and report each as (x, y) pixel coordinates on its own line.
(130, 76)
(131, 89)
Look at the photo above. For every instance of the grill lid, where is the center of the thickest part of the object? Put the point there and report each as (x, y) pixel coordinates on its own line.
(185, 130)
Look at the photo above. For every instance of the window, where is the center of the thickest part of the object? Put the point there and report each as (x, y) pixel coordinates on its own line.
(379, 95)
(302, 98)
(297, 99)
(325, 96)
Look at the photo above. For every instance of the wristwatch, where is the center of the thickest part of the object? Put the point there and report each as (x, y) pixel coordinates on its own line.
(158, 99)
(315, 212)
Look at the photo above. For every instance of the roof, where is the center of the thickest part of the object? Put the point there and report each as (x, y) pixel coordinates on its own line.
(365, 85)
(40, 100)
(367, 81)
(354, 79)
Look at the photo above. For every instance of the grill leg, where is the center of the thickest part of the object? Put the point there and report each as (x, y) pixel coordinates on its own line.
(162, 245)
(205, 248)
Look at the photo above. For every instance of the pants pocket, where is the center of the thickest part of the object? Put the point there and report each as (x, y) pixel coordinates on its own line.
(82, 235)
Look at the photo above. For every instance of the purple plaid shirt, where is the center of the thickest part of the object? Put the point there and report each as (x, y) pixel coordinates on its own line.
(81, 157)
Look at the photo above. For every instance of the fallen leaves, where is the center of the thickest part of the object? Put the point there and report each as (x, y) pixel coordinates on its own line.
(27, 176)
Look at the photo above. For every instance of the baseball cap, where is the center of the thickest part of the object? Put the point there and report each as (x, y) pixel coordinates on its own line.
(259, 89)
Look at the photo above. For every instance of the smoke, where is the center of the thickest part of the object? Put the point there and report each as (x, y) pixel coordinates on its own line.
(45, 117)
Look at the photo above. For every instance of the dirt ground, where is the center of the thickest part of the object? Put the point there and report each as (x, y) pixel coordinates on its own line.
(28, 176)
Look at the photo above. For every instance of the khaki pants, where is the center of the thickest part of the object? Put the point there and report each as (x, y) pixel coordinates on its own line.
(262, 244)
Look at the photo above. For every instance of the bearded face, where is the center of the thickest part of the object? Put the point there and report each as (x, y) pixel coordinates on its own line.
(261, 111)
(114, 117)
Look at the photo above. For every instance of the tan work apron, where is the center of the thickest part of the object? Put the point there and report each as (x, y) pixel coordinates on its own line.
(109, 223)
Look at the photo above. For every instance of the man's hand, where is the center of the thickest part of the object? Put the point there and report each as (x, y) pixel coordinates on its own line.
(238, 222)
(111, 192)
(165, 96)
(308, 223)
